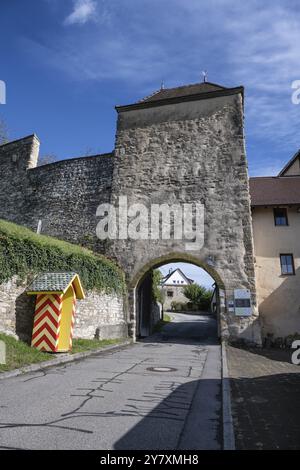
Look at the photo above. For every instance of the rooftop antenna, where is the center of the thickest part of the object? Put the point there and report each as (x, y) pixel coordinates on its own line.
(204, 73)
(162, 85)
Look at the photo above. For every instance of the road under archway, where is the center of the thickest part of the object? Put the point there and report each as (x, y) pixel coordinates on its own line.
(145, 313)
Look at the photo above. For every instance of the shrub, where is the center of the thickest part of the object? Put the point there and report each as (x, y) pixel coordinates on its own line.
(23, 252)
(199, 296)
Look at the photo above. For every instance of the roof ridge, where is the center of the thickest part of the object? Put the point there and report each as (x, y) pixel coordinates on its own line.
(289, 163)
(150, 96)
(193, 84)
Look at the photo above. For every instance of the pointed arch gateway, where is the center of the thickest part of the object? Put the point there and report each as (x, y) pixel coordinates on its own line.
(140, 305)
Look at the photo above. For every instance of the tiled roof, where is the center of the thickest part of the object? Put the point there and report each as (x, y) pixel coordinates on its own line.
(179, 94)
(51, 282)
(187, 90)
(270, 191)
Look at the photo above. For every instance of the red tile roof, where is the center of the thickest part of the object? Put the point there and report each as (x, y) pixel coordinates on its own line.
(273, 191)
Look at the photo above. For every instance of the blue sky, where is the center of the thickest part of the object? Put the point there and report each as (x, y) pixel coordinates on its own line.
(192, 272)
(67, 63)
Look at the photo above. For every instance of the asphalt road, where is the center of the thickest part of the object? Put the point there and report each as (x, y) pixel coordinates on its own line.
(161, 393)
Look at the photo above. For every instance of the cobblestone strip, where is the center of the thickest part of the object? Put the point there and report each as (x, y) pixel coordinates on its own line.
(228, 432)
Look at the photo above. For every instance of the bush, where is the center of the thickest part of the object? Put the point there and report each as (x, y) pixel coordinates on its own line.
(23, 252)
(205, 300)
(199, 296)
(178, 306)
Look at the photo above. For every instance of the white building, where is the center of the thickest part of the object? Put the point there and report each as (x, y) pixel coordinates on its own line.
(174, 284)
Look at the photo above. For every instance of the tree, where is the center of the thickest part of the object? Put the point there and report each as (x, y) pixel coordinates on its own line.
(194, 293)
(198, 295)
(163, 296)
(158, 293)
(156, 285)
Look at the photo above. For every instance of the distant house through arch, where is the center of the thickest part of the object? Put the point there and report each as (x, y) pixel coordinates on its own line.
(140, 294)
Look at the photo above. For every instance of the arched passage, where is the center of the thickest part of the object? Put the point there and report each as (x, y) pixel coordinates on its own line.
(140, 302)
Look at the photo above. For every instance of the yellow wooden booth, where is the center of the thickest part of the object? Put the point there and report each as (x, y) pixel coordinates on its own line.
(56, 295)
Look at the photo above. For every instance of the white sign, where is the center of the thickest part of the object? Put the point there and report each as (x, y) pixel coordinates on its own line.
(242, 302)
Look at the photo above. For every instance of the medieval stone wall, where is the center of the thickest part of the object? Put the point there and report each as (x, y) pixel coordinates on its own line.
(98, 315)
(63, 195)
(187, 152)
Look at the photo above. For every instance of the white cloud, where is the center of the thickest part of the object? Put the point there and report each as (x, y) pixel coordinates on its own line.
(83, 11)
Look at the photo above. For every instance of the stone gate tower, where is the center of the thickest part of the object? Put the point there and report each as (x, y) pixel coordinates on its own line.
(186, 145)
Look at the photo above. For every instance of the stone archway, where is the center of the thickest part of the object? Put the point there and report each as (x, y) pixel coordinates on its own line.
(143, 276)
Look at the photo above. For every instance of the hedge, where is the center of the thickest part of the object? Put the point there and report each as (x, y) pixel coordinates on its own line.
(23, 252)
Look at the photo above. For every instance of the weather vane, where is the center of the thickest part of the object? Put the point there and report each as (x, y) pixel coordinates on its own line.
(204, 73)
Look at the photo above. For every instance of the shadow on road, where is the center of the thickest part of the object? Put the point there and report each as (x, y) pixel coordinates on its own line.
(274, 354)
(187, 329)
(170, 425)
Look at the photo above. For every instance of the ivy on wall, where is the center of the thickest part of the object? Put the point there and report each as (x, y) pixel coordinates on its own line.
(23, 253)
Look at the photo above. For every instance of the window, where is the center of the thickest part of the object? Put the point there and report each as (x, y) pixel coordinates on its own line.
(287, 264)
(170, 293)
(280, 216)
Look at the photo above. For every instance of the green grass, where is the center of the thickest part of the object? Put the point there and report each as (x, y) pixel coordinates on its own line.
(159, 326)
(19, 354)
(23, 252)
(82, 345)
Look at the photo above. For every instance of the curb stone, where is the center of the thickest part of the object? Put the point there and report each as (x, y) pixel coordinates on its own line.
(228, 431)
(61, 360)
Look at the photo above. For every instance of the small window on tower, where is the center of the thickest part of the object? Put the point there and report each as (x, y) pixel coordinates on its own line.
(280, 216)
(170, 293)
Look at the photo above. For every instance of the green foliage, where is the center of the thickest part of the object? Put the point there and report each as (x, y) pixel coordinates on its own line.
(19, 354)
(194, 292)
(206, 300)
(82, 345)
(178, 306)
(198, 295)
(159, 326)
(156, 285)
(23, 252)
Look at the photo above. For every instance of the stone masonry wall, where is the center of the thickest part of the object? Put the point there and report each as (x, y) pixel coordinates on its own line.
(191, 151)
(177, 296)
(181, 153)
(63, 195)
(98, 315)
